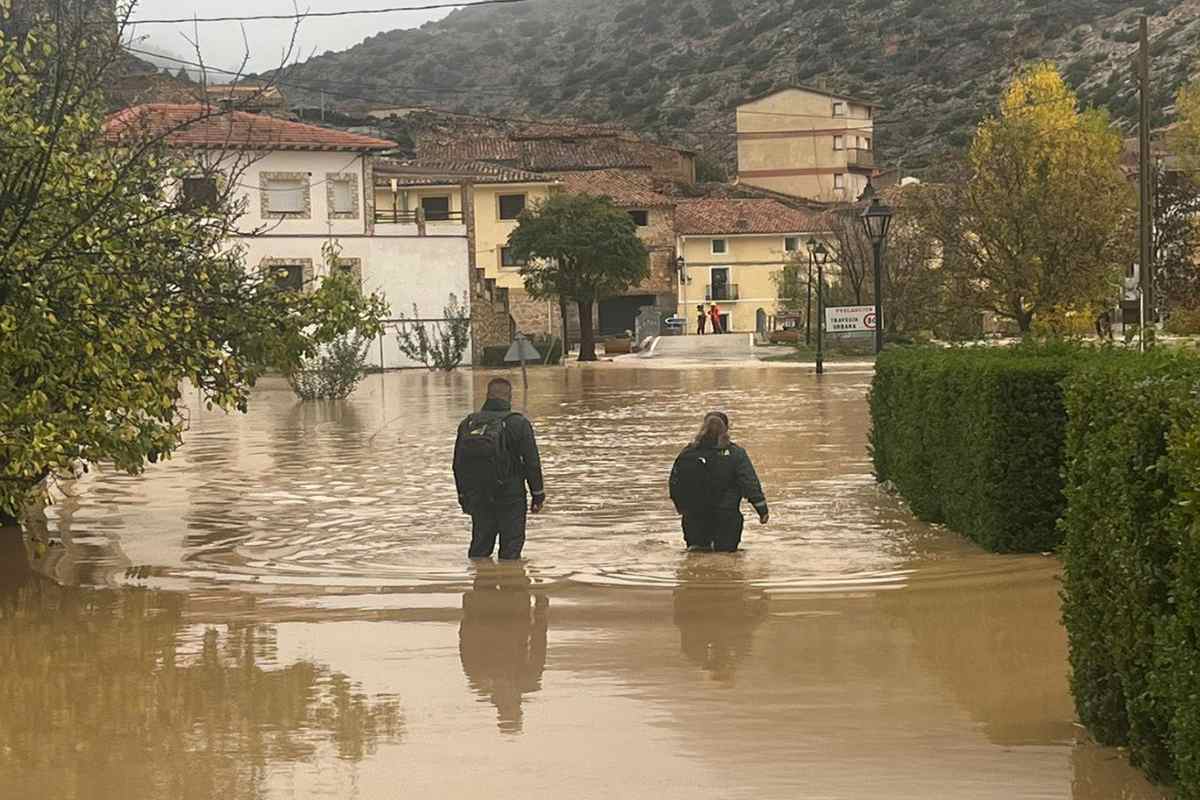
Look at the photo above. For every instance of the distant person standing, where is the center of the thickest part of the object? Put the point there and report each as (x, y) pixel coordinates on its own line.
(495, 458)
(710, 479)
(701, 319)
(714, 315)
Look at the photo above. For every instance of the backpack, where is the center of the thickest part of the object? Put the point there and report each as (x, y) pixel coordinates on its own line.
(484, 460)
(699, 480)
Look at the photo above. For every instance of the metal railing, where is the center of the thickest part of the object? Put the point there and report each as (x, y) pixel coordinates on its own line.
(391, 216)
(388, 216)
(859, 157)
(726, 293)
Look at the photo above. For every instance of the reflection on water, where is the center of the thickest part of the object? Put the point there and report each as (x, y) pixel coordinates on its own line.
(717, 612)
(116, 694)
(285, 610)
(502, 639)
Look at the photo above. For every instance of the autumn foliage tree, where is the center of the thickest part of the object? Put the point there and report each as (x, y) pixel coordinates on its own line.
(582, 249)
(115, 290)
(1041, 218)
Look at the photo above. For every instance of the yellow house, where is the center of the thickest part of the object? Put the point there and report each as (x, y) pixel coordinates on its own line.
(731, 251)
(806, 142)
(482, 199)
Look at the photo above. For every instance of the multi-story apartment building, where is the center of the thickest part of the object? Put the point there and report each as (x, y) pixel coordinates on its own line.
(807, 143)
(732, 249)
(304, 187)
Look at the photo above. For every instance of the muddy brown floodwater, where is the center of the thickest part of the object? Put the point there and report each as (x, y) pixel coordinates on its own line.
(285, 611)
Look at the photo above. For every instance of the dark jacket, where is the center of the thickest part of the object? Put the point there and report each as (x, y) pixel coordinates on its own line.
(521, 445)
(733, 472)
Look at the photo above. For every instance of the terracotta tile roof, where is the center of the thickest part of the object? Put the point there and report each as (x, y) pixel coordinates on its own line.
(627, 188)
(484, 148)
(608, 153)
(199, 126)
(441, 173)
(713, 217)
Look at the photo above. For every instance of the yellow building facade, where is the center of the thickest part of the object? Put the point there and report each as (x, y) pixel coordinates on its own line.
(806, 143)
(732, 251)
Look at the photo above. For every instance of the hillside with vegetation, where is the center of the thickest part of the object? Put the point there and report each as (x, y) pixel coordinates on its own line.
(677, 68)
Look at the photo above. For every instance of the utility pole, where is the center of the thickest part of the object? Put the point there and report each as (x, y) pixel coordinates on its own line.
(1145, 183)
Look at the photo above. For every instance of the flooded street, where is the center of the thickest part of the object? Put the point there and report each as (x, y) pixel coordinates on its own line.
(285, 610)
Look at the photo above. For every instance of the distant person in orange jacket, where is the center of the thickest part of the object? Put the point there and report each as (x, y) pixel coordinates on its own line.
(714, 314)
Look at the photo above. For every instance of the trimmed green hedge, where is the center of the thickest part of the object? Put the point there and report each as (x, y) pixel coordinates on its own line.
(973, 438)
(1131, 588)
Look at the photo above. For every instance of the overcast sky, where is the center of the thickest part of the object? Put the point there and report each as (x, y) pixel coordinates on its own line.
(223, 45)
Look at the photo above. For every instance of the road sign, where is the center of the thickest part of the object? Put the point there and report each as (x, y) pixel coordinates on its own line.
(850, 319)
(522, 350)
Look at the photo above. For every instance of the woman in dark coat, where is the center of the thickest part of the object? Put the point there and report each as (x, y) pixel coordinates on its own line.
(710, 479)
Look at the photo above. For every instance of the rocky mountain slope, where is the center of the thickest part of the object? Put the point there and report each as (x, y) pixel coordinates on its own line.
(675, 69)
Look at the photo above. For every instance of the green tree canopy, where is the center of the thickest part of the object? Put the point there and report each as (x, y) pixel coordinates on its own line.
(582, 249)
(115, 288)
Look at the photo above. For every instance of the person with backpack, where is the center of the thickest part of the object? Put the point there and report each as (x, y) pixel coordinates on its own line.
(495, 458)
(710, 479)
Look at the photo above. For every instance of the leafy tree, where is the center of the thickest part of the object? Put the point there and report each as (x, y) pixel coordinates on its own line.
(1176, 240)
(116, 288)
(437, 345)
(1041, 217)
(582, 249)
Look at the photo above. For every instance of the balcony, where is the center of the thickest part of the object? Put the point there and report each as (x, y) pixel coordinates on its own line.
(391, 216)
(860, 158)
(725, 294)
(417, 222)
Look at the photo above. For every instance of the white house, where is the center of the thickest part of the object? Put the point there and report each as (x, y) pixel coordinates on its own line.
(305, 186)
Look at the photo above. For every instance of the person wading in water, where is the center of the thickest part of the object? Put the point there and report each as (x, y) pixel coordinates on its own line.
(495, 458)
(710, 479)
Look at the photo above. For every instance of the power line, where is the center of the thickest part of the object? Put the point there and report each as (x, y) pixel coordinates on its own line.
(315, 14)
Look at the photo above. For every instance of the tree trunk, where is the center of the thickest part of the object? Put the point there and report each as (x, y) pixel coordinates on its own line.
(587, 335)
(1024, 321)
(562, 313)
(14, 560)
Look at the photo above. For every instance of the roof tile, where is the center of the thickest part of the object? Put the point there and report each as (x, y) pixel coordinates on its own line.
(438, 173)
(201, 126)
(731, 217)
(627, 188)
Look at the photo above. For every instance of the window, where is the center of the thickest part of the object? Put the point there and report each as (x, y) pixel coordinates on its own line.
(839, 181)
(640, 218)
(285, 195)
(508, 259)
(511, 205)
(342, 196)
(351, 267)
(199, 193)
(437, 209)
(791, 244)
(719, 247)
(839, 143)
(289, 277)
(865, 143)
(839, 108)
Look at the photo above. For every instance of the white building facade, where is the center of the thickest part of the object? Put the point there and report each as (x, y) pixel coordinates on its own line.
(308, 192)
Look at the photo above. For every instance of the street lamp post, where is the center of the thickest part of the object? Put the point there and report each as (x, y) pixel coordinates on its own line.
(681, 268)
(819, 255)
(876, 221)
(812, 246)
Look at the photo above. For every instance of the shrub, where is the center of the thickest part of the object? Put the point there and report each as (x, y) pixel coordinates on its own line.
(974, 438)
(334, 372)
(1183, 322)
(437, 345)
(1131, 559)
